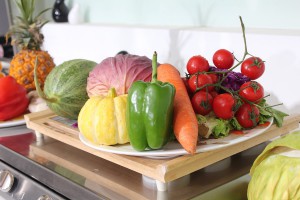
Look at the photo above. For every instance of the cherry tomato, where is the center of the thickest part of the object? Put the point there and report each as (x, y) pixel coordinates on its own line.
(223, 59)
(213, 77)
(223, 106)
(253, 67)
(200, 80)
(186, 83)
(251, 91)
(213, 93)
(197, 64)
(202, 102)
(247, 115)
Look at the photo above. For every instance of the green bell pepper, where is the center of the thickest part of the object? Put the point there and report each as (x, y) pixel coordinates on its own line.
(149, 112)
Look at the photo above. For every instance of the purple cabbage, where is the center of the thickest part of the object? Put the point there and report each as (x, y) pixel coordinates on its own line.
(118, 72)
(233, 81)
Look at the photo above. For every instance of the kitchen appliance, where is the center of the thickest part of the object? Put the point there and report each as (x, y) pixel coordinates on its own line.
(22, 178)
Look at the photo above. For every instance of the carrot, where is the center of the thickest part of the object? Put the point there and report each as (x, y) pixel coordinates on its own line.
(185, 123)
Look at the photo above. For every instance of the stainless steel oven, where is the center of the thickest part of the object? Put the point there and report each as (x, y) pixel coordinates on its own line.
(22, 178)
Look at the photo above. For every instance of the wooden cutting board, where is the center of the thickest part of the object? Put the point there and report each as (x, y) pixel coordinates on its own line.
(163, 170)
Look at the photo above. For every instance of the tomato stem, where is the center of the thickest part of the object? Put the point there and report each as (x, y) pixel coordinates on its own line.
(279, 104)
(244, 56)
(244, 37)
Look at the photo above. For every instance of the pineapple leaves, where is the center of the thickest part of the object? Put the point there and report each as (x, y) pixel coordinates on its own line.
(40, 14)
(24, 22)
(26, 31)
(26, 41)
(42, 24)
(22, 11)
(27, 9)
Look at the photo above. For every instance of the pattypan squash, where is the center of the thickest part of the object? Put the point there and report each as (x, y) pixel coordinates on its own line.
(102, 119)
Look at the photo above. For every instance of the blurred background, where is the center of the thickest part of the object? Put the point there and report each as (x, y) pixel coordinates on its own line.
(177, 30)
(273, 14)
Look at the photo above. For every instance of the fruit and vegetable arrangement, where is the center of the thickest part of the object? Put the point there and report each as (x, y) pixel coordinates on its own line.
(227, 101)
(133, 99)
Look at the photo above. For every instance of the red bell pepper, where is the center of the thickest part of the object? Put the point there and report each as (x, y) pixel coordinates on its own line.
(13, 98)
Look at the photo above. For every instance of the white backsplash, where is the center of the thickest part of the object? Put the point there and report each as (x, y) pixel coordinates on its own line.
(279, 49)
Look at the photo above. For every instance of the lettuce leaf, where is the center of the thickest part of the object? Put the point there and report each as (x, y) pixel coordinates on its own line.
(212, 126)
(267, 111)
(221, 129)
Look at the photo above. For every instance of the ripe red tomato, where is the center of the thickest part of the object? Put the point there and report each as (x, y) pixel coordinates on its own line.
(213, 77)
(197, 64)
(186, 84)
(213, 93)
(253, 67)
(251, 91)
(247, 115)
(202, 102)
(223, 59)
(200, 80)
(223, 106)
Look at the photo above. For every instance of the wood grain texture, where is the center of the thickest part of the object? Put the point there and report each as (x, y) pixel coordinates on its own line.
(164, 170)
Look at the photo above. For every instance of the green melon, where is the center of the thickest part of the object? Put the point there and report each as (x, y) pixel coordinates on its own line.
(65, 87)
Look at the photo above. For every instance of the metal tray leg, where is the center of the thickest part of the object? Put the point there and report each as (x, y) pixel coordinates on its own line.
(39, 136)
(161, 186)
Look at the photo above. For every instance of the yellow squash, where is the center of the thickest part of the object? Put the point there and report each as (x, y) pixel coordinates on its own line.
(102, 119)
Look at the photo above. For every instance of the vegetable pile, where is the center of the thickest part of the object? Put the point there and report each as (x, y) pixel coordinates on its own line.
(133, 99)
(225, 100)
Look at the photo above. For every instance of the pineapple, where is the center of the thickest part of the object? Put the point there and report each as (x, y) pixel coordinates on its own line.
(26, 34)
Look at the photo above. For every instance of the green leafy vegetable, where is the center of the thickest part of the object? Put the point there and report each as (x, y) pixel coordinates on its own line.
(267, 111)
(210, 125)
(221, 129)
(275, 172)
(235, 124)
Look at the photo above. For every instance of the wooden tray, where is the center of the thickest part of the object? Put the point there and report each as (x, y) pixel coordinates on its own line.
(118, 180)
(162, 170)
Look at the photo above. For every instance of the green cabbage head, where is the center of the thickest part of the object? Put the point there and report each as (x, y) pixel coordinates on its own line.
(275, 174)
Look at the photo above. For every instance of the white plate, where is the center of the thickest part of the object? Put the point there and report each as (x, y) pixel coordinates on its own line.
(173, 149)
(14, 122)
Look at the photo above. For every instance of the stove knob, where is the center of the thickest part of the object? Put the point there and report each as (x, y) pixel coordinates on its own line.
(44, 197)
(6, 180)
